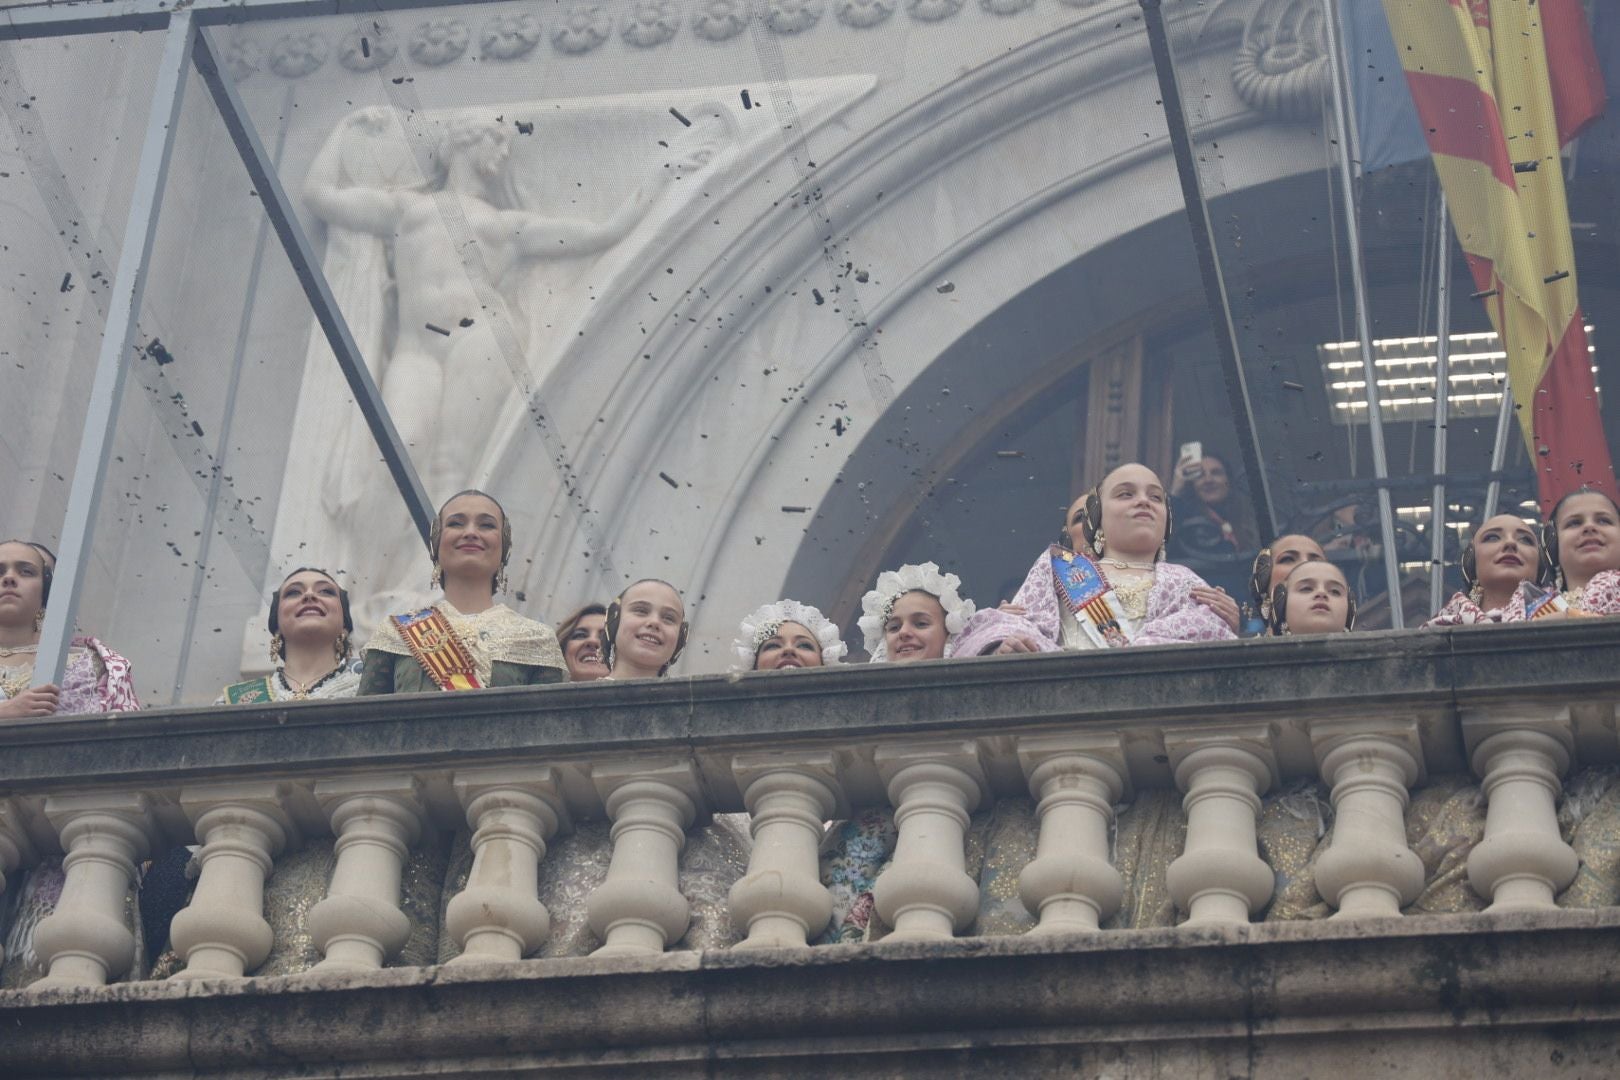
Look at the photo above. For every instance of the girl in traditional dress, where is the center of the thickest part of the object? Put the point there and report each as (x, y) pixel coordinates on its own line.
(96, 680)
(310, 654)
(786, 635)
(466, 640)
(1273, 563)
(1582, 538)
(646, 630)
(914, 613)
(1503, 556)
(1315, 598)
(1113, 589)
(581, 637)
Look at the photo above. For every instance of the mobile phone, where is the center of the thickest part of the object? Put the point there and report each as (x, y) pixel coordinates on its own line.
(1194, 452)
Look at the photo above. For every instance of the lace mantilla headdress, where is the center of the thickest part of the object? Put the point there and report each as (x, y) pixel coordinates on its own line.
(758, 627)
(893, 584)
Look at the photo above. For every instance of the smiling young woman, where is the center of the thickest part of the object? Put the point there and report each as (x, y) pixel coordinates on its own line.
(646, 630)
(464, 641)
(784, 636)
(582, 637)
(914, 613)
(1502, 555)
(310, 653)
(1583, 543)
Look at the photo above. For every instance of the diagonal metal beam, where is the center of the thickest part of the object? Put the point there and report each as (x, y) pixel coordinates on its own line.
(1209, 267)
(107, 386)
(307, 268)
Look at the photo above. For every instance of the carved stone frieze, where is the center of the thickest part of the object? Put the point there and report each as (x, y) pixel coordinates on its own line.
(793, 16)
(295, 55)
(863, 13)
(719, 20)
(933, 10)
(367, 48)
(508, 37)
(650, 23)
(439, 41)
(1281, 68)
(584, 28)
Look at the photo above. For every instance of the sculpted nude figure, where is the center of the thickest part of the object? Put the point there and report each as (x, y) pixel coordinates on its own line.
(445, 379)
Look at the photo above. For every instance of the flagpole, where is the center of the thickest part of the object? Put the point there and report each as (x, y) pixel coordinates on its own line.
(1504, 425)
(1442, 393)
(1358, 279)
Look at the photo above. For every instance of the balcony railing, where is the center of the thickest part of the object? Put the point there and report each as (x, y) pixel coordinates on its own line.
(1371, 716)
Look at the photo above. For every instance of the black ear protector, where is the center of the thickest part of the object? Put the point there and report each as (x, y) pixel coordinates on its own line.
(275, 603)
(611, 634)
(1277, 621)
(1092, 525)
(1260, 583)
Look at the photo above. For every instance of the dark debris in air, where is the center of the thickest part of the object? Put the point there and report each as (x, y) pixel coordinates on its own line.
(465, 323)
(1486, 294)
(1526, 166)
(67, 282)
(676, 113)
(747, 101)
(1559, 276)
(818, 297)
(525, 127)
(157, 352)
(668, 479)
(946, 287)
(437, 329)
(1289, 384)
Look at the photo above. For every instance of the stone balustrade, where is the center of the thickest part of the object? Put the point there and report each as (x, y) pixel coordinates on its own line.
(1369, 716)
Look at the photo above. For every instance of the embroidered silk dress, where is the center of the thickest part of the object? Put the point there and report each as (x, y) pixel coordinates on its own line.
(344, 682)
(1461, 610)
(1173, 616)
(506, 648)
(97, 680)
(1600, 596)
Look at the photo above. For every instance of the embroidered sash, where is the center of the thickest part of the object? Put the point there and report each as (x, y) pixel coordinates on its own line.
(434, 645)
(249, 693)
(1089, 598)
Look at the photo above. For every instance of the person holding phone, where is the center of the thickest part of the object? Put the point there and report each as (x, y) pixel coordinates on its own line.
(1210, 518)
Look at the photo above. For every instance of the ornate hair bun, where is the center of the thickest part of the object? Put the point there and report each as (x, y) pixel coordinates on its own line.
(758, 627)
(878, 604)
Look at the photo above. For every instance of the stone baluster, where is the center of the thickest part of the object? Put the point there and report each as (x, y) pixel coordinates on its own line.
(85, 941)
(16, 846)
(639, 908)
(514, 812)
(781, 902)
(926, 893)
(1070, 885)
(1371, 765)
(1520, 752)
(1220, 878)
(242, 827)
(376, 820)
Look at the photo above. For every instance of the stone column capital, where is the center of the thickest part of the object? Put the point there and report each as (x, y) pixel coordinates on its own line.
(1041, 755)
(1245, 746)
(957, 762)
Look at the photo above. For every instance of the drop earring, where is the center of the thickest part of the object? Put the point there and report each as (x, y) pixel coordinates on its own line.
(39, 620)
(500, 581)
(277, 650)
(341, 646)
(436, 579)
(1100, 543)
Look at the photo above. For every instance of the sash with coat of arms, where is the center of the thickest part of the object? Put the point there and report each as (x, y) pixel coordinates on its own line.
(1090, 599)
(433, 644)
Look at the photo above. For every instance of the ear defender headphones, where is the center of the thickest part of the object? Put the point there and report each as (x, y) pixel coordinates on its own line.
(1278, 618)
(1260, 584)
(275, 603)
(611, 632)
(1546, 564)
(1091, 526)
(1549, 533)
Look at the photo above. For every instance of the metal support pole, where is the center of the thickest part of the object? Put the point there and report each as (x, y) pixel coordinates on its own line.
(1442, 411)
(307, 268)
(1203, 239)
(1504, 426)
(117, 339)
(1358, 278)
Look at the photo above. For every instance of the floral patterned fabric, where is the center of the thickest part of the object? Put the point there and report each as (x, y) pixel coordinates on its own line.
(853, 853)
(1461, 610)
(1173, 616)
(1601, 595)
(96, 680)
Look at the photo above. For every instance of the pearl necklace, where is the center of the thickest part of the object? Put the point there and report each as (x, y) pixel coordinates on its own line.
(18, 650)
(1120, 564)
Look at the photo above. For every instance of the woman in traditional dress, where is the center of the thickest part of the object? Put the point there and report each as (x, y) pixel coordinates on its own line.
(581, 637)
(1582, 538)
(96, 680)
(1503, 557)
(1315, 598)
(786, 635)
(646, 630)
(310, 654)
(1114, 589)
(914, 613)
(465, 641)
(1273, 563)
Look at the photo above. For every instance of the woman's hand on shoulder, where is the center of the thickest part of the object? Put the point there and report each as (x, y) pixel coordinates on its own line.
(1220, 603)
(32, 702)
(1018, 643)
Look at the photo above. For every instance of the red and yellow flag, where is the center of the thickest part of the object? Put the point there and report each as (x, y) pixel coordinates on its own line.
(1500, 87)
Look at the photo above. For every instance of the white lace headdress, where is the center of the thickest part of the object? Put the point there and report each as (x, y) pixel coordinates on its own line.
(893, 584)
(765, 621)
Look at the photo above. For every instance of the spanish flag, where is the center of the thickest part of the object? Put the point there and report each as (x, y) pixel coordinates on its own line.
(1500, 87)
